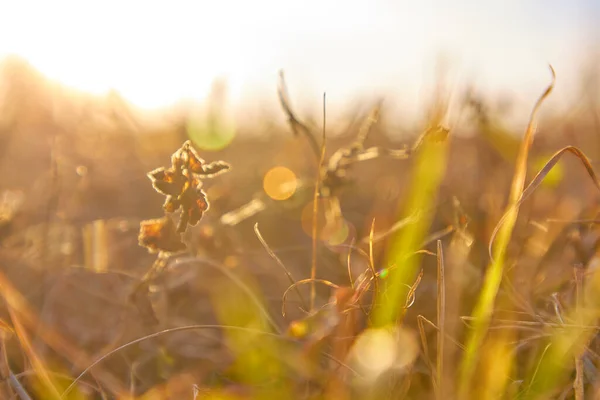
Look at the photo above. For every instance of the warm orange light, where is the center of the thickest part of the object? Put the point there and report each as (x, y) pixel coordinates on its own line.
(280, 183)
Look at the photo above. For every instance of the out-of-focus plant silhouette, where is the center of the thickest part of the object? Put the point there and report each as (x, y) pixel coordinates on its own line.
(326, 266)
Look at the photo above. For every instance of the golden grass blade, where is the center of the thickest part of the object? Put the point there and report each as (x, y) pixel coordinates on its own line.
(441, 319)
(313, 268)
(372, 258)
(38, 364)
(349, 264)
(410, 297)
(485, 305)
(430, 166)
(449, 338)
(578, 387)
(18, 388)
(537, 181)
(426, 356)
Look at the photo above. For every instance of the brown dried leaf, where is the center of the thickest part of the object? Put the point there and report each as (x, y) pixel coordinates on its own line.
(171, 204)
(182, 185)
(193, 161)
(160, 235)
(193, 203)
(169, 182)
(200, 206)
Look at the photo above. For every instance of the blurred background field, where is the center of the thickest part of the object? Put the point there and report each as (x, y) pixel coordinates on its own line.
(74, 190)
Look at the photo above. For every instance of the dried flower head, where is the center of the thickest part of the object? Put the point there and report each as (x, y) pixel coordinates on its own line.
(181, 183)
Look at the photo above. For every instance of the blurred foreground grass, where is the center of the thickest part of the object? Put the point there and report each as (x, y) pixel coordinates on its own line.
(411, 299)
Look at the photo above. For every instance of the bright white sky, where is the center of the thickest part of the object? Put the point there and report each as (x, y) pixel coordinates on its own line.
(157, 52)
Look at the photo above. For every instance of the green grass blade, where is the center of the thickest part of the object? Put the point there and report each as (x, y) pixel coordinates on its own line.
(430, 166)
(485, 306)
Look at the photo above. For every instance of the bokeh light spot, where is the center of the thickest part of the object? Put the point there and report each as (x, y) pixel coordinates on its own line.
(280, 183)
(211, 134)
(298, 329)
(81, 170)
(377, 351)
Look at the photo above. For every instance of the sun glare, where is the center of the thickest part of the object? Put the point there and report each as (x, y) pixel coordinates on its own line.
(159, 53)
(153, 53)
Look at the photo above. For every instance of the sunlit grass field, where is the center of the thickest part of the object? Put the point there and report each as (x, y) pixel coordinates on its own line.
(191, 258)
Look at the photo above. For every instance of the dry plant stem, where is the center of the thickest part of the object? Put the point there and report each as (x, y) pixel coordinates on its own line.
(457, 254)
(132, 377)
(5, 370)
(349, 264)
(451, 339)
(435, 236)
(529, 324)
(36, 362)
(342, 339)
(578, 382)
(423, 336)
(410, 297)
(295, 123)
(366, 126)
(485, 305)
(313, 269)
(279, 262)
(352, 283)
(575, 221)
(441, 320)
(16, 385)
(372, 261)
(537, 181)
